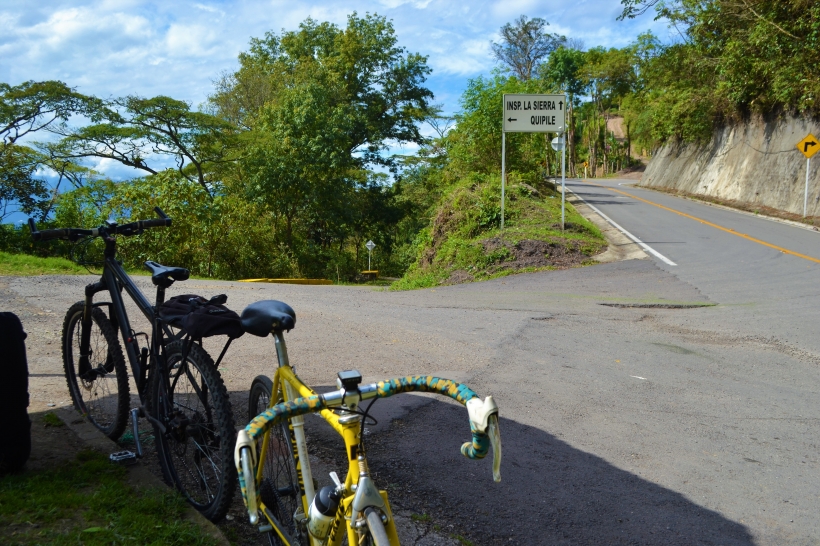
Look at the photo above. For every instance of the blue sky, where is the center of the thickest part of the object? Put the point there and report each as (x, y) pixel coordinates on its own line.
(178, 48)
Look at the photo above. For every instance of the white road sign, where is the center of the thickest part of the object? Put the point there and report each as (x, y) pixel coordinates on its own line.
(557, 144)
(534, 113)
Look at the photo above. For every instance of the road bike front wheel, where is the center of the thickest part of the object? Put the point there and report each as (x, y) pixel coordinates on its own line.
(99, 389)
(196, 450)
(279, 488)
(376, 533)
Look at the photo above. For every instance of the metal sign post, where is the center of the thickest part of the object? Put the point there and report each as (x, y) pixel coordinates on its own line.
(370, 246)
(808, 147)
(531, 114)
(561, 144)
(563, 178)
(503, 173)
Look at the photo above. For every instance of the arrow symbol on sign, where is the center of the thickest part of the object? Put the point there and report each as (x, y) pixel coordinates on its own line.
(560, 105)
(807, 145)
(511, 119)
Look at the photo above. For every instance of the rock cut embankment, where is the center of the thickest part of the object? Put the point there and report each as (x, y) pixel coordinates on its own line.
(754, 162)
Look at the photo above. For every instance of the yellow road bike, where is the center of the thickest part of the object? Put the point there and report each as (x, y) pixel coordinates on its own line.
(272, 458)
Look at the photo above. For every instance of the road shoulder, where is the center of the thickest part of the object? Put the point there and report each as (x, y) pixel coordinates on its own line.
(619, 246)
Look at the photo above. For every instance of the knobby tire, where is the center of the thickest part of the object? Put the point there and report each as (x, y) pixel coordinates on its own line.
(100, 393)
(196, 450)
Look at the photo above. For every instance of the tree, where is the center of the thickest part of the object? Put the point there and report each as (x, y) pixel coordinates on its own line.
(25, 109)
(563, 71)
(20, 190)
(334, 99)
(136, 132)
(524, 44)
(33, 106)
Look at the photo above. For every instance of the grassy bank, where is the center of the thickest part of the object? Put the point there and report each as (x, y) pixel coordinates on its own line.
(23, 265)
(464, 241)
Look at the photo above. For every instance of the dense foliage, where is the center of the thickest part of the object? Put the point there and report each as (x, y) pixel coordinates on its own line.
(736, 58)
(286, 170)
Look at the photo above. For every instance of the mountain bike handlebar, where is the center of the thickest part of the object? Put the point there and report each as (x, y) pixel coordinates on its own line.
(73, 234)
(483, 420)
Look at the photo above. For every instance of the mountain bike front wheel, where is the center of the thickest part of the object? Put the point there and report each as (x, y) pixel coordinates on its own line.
(279, 488)
(98, 388)
(196, 449)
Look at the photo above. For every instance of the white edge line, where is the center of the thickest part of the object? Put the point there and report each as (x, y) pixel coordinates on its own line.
(638, 377)
(643, 245)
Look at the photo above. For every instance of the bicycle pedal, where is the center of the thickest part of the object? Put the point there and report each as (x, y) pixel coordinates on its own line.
(124, 458)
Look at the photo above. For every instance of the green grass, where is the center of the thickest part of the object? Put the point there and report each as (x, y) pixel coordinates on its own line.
(51, 420)
(23, 265)
(90, 502)
(465, 236)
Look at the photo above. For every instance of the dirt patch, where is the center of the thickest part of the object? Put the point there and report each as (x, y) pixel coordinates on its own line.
(534, 253)
(441, 228)
(631, 173)
(502, 255)
(459, 276)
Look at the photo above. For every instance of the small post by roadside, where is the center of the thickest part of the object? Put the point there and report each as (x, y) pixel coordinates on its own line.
(370, 246)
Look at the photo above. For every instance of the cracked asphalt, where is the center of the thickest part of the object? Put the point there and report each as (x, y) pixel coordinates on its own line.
(620, 425)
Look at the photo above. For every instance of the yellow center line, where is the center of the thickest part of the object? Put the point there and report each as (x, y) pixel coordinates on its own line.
(708, 223)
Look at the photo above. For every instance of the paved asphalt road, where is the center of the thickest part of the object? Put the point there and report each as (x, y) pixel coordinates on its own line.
(621, 425)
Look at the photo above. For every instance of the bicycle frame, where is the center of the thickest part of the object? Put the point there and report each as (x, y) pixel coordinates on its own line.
(288, 386)
(114, 279)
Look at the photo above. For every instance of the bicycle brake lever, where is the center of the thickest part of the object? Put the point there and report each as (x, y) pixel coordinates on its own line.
(480, 412)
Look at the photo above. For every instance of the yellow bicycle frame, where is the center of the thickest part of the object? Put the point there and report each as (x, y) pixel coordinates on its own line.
(287, 387)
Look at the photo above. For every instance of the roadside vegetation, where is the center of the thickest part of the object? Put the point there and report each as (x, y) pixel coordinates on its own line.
(285, 171)
(26, 265)
(89, 501)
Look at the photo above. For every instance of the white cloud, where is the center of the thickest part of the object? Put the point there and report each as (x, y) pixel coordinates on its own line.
(191, 40)
(152, 47)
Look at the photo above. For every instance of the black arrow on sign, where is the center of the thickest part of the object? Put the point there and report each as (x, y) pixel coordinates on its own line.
(807, 145)
(512, 119)
(560, 105)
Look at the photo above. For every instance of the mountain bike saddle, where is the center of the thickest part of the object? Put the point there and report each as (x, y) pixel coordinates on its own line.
(165, 276)
(266, 316)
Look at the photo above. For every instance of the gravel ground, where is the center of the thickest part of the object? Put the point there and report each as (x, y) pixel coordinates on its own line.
(620, 425)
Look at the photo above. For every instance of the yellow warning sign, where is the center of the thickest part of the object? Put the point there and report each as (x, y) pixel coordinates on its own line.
(809, 146)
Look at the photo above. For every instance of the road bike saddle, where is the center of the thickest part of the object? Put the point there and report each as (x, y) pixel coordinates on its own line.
(165, 276)
(266, 316)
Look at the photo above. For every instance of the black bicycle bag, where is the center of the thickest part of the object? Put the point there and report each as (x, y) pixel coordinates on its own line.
(201, 318)
(15, 425)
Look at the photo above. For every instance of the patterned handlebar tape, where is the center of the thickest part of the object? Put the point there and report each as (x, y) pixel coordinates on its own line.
(477, 449)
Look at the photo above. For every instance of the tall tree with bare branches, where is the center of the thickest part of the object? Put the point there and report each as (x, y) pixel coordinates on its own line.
(525, 44)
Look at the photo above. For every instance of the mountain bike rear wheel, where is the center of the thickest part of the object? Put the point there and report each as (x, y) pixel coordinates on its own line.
(196, 449)
(100, 389)
(279, 488)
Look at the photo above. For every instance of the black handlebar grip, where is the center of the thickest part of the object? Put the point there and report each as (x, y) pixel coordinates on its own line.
(48, 234)
(157, 222)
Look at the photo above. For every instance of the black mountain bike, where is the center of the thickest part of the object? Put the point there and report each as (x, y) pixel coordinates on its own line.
(181, 393)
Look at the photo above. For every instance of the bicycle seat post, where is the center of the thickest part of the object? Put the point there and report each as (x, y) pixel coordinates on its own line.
(160, 295)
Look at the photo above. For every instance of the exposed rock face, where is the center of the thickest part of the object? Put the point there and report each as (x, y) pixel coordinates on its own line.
(756, 162)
